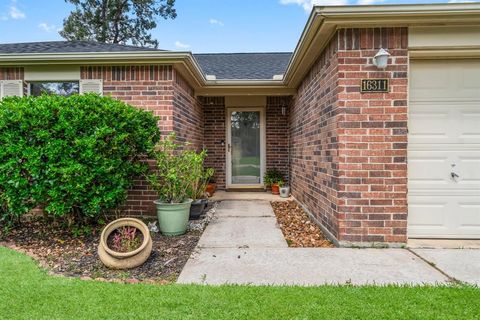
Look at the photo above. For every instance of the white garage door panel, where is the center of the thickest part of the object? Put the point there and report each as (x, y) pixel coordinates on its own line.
(444, 80)
(430, 170)
(444, 137)
(440, 122)
(444, 216)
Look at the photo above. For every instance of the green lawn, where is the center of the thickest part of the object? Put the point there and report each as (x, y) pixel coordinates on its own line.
(26, 292)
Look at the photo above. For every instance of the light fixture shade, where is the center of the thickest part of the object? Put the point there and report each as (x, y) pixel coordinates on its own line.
(380, 60)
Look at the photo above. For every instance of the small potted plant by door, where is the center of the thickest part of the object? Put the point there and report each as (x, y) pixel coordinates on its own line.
(125, 243)
(211, 186)
(272, 178)
(197, 190)
(284, 190)
(172, 180)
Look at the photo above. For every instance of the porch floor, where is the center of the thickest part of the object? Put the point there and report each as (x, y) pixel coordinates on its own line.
(244, 245)
(262, 195)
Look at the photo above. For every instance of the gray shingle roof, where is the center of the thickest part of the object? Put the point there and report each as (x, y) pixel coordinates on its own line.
(243, 65)
(67, 46)
(231, 66)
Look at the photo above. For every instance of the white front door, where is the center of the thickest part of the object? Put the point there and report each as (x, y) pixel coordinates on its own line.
(444, 149)
(245, 147)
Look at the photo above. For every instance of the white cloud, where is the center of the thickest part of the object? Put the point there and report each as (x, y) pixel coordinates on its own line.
(47, 27)
(16, 13)
(217, 22)
(460, 1)
(181, 45)
(307, 5)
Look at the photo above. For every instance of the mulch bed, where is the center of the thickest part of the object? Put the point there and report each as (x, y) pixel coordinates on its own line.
(57, 250)
(297, 228)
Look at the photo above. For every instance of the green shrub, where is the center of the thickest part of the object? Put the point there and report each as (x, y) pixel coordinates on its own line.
(73, 156)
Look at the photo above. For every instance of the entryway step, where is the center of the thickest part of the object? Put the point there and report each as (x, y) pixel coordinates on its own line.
(245, 190)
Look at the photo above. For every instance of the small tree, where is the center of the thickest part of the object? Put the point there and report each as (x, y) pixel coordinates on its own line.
(116, 21)
(74, 156)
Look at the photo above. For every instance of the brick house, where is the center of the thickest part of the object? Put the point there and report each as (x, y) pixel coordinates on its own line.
(376, 154)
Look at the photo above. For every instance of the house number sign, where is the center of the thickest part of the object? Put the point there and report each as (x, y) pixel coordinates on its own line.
(374, 85)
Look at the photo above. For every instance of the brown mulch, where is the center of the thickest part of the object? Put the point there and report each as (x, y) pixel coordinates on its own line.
(57, 250)
(297, 228)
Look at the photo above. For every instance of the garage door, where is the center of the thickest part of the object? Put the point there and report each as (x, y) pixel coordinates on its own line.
(444, 149)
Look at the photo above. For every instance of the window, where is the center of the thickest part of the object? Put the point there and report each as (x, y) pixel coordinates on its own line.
(64, 88)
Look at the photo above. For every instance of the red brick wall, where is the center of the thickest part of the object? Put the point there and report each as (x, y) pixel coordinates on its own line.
(277, 134)
(187, 114)
(314, 137)
(148, 87)
(155, 88)
(349, 149)
(372, 138)
(215, 133)
(11, 73)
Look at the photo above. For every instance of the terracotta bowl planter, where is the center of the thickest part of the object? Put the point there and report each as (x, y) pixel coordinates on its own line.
(125, 260)
(275, 189)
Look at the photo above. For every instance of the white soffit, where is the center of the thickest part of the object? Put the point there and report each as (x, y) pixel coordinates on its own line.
(52, 73)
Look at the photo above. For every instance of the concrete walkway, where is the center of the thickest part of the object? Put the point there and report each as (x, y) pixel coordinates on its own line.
(461, 264)
(244, 245)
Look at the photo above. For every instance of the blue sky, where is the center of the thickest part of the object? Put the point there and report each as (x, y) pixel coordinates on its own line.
(201, 25)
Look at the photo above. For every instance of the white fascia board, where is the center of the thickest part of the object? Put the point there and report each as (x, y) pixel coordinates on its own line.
(106, 57)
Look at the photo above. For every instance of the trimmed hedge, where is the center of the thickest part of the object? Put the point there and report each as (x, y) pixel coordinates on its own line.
(72, 155)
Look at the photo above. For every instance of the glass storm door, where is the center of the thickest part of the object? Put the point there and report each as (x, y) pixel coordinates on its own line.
(245, 148)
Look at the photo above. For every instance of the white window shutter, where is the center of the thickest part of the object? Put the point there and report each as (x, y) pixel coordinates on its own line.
(91, 86)
(9, 88)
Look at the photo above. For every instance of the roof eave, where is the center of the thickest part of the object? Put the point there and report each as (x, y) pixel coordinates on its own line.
(183, 58)
(324, 21)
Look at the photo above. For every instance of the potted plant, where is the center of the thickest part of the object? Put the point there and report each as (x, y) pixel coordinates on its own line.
(211, 186)
(125, 243)
(272, 179)
(172, 181)
(284, 190)
(200, 177)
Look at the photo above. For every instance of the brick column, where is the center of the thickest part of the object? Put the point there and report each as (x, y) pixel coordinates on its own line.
(372, 136)
(348, 149)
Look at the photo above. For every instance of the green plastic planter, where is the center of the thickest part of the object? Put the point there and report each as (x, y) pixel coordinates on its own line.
(173, 217)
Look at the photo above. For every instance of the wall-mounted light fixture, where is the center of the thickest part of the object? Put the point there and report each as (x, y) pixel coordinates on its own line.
(380, 60)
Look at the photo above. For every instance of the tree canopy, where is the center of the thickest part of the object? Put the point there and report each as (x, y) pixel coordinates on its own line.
(116, 21)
